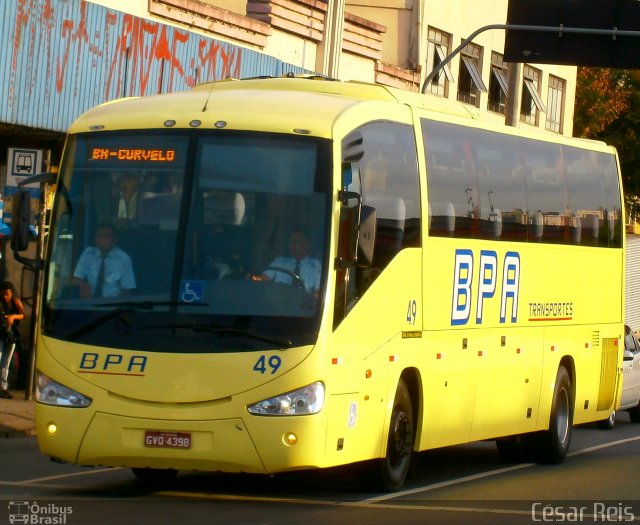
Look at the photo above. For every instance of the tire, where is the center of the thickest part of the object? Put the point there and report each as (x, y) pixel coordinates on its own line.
(551, 446)
(609, 423)
(634, 414)
(515, 449)
(390, 472)
(155, 477)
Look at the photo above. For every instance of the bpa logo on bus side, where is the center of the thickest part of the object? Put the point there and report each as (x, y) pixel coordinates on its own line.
(485, 285)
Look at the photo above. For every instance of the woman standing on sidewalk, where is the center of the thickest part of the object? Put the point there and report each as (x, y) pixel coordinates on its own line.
(11, 313)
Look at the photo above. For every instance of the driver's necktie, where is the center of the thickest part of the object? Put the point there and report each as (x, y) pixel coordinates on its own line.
(298, 281)
(100, 280)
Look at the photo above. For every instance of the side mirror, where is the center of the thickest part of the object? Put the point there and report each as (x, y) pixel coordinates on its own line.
(20, 220)
(357, 231)
(628, 355)
(349, 198)
(20, 225)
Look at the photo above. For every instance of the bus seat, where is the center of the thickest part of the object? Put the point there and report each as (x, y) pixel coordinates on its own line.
(220, 270)
(150, 248)
(390, 209)
(160, 209)
(611, 224)
(391, 214)
(495, 218)
(576, 229)
(224, 208)
(591, 228)
(537, 220)
(221, 234)
(442, 218)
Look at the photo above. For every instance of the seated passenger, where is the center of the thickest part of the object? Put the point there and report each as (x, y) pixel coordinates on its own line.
(127, 205)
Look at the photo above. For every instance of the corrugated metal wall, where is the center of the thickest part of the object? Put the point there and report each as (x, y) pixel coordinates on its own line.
(61, 57)
(632, 289)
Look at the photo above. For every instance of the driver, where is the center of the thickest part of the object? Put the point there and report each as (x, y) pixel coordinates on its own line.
(104, 270)
(306, 269)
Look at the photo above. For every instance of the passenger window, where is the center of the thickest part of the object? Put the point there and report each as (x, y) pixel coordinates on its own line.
(489, 185)
(451, 182)
(547, 198)
(501, 186)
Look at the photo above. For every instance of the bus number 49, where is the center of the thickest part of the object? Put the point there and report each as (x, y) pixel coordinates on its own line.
(273, 363)
(412, 312)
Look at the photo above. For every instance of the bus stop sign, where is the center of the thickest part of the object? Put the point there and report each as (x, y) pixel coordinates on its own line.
(22, 163)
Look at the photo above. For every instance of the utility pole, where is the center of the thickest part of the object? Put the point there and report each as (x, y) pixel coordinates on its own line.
(512, 110)
(331, 47)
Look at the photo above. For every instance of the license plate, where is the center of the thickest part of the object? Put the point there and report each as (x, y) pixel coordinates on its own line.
(162, 439)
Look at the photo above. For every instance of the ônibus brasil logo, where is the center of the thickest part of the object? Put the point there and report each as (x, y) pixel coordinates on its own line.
(32, 512)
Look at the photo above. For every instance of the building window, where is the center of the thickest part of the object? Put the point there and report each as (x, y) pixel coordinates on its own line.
(437, 49)
(498, 85)
(531, 105)
(555, 102)
(470, 83)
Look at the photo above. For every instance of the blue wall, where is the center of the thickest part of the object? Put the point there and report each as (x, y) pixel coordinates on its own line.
(61, 57)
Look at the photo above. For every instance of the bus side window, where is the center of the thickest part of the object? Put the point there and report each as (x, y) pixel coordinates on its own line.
(385, 174)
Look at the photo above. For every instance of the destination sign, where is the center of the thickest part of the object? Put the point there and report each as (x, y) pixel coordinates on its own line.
(134, 155)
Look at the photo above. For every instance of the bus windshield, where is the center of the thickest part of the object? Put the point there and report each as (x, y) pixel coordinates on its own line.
(189, 242)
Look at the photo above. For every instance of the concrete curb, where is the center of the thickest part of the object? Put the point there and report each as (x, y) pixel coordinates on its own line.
(8, 432)
(17, 416)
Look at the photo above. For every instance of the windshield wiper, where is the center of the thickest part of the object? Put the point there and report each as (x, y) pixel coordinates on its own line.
(122, 307)
(225, 330)
(147, 305)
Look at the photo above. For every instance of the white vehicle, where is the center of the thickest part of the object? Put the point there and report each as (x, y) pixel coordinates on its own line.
(631, 383)
(630, 400)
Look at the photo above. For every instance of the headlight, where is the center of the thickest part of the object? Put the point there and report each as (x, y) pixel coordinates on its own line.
(306, 400)
(49, 392)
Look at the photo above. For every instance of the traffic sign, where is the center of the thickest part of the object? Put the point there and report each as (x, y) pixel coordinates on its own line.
(22, 163)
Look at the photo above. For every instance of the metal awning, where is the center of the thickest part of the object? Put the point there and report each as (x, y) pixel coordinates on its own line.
(531, 88)
(440, 51)
(498, 72)
(476, 77)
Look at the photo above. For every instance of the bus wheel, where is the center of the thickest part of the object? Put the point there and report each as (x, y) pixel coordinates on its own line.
(155, 476)
(514, 449)
(551, 446)
(391, 471)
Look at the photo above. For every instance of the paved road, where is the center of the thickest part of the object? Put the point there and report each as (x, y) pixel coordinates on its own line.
(457, 485)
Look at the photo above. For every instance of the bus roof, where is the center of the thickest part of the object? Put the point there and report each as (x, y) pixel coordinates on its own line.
(301, 102)
(280, 105)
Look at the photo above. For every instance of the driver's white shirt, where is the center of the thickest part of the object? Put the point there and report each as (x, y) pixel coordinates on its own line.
(118, 270)
(310, 271)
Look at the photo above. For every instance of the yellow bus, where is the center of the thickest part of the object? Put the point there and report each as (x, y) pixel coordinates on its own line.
(302, 273)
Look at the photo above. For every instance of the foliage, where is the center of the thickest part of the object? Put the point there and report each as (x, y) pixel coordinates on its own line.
(602, 96)
(608, 109)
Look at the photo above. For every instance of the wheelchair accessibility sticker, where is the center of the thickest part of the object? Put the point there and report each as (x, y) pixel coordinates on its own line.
(192, 291)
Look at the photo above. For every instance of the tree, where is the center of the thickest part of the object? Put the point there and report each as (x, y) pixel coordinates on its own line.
(602, 96)
(608, 109)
